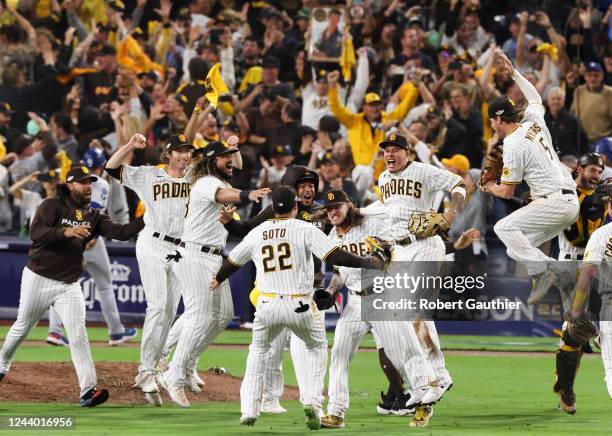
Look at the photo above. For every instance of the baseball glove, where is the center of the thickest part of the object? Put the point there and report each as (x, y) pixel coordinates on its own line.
(323, 299)
(494, 165)
(425, 225)
(379, 248)
(580, 329)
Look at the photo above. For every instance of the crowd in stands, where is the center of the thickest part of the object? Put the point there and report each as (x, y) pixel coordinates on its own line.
(313, 83)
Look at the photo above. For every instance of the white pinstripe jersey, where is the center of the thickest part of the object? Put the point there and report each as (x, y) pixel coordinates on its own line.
(353, 241)
(412, 190)
(529, 155)
(202, 225)
(599, 252)
(282, 251)
(164, 197)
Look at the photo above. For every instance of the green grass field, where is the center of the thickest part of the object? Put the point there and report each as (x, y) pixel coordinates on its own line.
(493, 394)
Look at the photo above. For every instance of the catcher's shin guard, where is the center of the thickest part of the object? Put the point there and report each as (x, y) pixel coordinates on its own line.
(568, 362)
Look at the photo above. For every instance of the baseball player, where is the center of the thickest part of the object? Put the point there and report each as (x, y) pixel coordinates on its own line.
(60, 231)
(408, 191)
(578, 329)
(351, 231)
(165, 193)
(282, 250)
(528, 154)
(593, 212)
(198, 258)
(97, 263)
(306, 184)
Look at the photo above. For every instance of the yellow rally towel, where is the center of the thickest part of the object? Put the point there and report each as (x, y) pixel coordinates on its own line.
(215, 86)
(347, 58)
(130, 55)
(93, 10)
(551, 49)
(252, 77)
(2, 148)
(65, 79)
(64, 163)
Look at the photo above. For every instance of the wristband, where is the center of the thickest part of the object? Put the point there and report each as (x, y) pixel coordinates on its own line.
(244, 196)
(197, 109)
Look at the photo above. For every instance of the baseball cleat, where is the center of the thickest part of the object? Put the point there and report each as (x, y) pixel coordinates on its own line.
(435, 393)
(541, 284)
(313, 421)
(399, 407)
(198, 379)
(597, 342)
(274, 408)
(192, 385)
(248, 421)
(120, 338)
(416, 395)
(93, 397)
(567, 401)
(422, 416)
(57, 339)
(385, 405)
(2, 374)
(146, 382)
(176, 392)
(332, 421)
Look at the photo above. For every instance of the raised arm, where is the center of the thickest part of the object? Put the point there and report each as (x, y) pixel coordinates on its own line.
(529, 91)
(16, 188)
(137, 141)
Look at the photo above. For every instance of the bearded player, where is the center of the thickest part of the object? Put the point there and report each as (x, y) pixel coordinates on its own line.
(528, 155)
(197, 259)
(578, 329)
(61, 229)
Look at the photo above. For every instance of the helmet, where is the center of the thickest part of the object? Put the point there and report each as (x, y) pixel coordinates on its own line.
(591, 158)
(94, 158)
(299, 173)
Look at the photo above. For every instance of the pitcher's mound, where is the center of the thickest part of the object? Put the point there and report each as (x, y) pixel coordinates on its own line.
(56, 382)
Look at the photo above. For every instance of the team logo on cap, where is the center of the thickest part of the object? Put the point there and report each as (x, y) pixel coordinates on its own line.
(85, 170)
(392, 137)
(79, 215)
(279, 148)
(511, 102)
(330, 196)
(182, 138)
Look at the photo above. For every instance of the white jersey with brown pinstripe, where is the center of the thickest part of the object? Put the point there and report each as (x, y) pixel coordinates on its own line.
(530, 155)
(282, 251)
(412, 190)
(165, 197)
(354, 241)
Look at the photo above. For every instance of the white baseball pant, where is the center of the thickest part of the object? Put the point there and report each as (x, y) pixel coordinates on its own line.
(274, 380)
(172, 340)
(530, 226)
(424, 250)
(389, 335)
(207, 313)
(160, 286)
(271, 316)
(37, 294)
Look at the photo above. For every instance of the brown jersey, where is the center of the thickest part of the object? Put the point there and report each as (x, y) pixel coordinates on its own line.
(57, 257)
